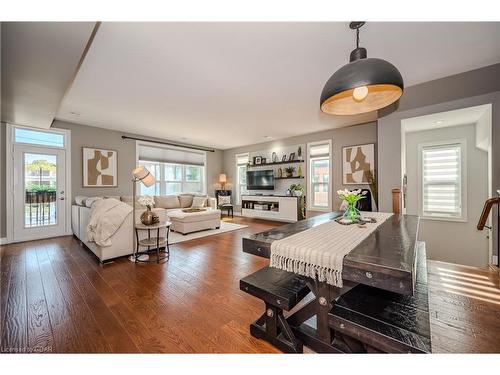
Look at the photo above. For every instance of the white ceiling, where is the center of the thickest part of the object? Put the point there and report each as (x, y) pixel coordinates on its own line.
(39, 61)
(231, 84)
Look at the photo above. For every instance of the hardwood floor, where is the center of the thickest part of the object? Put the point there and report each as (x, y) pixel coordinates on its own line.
(56, 298)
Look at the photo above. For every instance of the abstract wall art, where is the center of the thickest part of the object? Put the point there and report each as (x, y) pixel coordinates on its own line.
(357, 162)
(100, 167)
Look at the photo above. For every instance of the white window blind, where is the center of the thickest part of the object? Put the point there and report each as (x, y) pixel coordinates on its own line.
(319, 183)
(442, 181)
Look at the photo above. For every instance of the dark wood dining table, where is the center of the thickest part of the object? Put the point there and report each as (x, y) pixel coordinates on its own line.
(386, 259)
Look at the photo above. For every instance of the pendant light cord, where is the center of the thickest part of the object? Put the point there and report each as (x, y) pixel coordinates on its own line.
(357, 38)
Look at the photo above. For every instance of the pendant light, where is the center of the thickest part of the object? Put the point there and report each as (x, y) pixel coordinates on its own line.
(363, 85)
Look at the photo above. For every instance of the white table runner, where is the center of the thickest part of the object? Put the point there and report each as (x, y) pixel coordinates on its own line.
(319, 251)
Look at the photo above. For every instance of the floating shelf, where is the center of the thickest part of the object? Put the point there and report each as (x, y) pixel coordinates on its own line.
(277, 163)
(288, 178)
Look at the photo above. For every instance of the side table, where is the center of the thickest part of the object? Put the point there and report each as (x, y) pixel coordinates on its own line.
(153, 243)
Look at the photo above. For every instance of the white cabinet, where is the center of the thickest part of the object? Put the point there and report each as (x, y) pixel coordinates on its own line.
(271, 207)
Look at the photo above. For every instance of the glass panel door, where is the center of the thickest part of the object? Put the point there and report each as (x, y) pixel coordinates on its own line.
(39, 196)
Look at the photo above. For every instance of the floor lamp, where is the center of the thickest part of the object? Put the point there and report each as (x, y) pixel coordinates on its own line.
(143, 175)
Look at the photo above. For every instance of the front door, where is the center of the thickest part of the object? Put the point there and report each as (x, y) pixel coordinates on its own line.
(39, 192)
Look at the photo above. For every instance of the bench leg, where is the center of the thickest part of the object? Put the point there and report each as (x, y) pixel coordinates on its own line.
(273, 328)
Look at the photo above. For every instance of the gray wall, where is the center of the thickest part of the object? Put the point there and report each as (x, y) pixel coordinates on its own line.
(359, 134)
(85, 136)
(3, 224)
(449, 241)
(468, 89)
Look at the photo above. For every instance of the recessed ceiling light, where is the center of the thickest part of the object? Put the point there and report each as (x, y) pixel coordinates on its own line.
(267, 137)
(75, 113)
(438, 122)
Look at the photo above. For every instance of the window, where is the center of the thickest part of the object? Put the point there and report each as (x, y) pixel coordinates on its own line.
(241, 176)
(173, 178)
(38, 137)
(319, 182)
(442, 188)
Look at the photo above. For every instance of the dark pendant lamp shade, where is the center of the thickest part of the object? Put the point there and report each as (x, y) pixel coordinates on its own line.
(363, 85)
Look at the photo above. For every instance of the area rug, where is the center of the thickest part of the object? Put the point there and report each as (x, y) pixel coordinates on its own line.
(224, 227)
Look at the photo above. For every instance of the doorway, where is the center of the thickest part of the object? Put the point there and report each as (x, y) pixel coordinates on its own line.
(447, 170)
(37, 183)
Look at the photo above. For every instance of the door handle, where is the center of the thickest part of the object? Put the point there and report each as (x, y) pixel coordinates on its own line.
(62, 198)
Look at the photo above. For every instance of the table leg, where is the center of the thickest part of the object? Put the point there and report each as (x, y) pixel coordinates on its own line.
(158, 245)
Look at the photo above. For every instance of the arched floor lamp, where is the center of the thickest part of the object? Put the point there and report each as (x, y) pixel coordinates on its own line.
(143, 175)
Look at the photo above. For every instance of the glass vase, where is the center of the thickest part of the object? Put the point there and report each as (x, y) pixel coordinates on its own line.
(352, 213)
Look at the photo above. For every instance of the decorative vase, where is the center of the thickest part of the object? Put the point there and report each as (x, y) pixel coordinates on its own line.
(280, 173)
(148, 217)
(352, 213)
(299, 171)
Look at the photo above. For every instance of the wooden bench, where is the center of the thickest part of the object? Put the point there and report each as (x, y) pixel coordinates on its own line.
(280, 290)
(367, 319)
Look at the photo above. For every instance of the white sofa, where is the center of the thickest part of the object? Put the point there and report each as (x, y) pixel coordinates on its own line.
(122, 240)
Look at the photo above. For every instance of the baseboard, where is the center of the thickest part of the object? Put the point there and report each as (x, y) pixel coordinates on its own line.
(3, 241)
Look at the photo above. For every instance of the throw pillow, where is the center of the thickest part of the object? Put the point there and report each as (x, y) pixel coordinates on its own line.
(199, 202)
(224, 199)
(186, 200)
(167, 201)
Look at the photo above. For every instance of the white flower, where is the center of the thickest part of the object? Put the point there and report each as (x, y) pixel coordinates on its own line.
(147, 200)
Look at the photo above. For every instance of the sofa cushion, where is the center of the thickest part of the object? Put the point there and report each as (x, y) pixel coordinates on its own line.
(224, 199)
(128, 199)
(167, 201)
(186, 200)
(199, 202)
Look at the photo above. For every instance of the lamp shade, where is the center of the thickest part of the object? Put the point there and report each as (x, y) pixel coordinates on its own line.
(363, 85)
(222, 178)
(144, 175)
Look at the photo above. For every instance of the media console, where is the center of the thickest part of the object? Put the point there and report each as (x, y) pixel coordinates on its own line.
(273, 207)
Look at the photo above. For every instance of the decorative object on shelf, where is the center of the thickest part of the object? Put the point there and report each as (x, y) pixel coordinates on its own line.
(296, 190)
(357, 162)
(222, 181)
(292, 157)
(299, 152)
(372, 181)
(351, 213)
(257, 160)
(263, 160)
(299, 171)
(143, 175)
(274, 157)
(100, 167)
(148, 217)
(363, 85)
(283, 159)
(280, 173)
(289, 171)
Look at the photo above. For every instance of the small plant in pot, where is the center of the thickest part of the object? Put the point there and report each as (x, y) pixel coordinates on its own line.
(296, 189)
(289, 171)
(148, 217)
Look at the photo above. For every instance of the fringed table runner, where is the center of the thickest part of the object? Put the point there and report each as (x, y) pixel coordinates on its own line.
(319, 251)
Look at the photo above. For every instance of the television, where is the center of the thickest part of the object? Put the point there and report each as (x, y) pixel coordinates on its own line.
(260, 180)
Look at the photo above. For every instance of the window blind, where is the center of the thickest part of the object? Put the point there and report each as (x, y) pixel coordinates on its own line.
(441, 180)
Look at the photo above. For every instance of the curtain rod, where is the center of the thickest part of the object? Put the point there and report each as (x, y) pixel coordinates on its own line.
(169, 143)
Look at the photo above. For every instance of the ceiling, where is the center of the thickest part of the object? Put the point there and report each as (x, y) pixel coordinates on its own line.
(231, 84)
(39, 61)
(457, 117)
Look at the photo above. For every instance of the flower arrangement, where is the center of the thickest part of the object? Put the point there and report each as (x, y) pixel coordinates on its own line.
(351, 197)
(147, 201)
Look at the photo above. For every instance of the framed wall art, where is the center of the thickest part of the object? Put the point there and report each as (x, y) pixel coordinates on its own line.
(100, 167)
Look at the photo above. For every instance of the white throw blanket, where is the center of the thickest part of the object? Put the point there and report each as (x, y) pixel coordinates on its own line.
(106, 217)
(319, 251)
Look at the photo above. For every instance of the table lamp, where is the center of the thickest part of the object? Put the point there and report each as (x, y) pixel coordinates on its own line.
(143, 175)
(222, 180)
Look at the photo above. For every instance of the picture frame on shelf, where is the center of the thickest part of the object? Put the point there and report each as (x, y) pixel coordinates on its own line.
(257, 160)
(263, 161)
(283, 159)
(274, 157)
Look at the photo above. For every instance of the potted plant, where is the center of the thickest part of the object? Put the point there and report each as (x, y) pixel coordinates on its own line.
(289, 171)
(296, 189)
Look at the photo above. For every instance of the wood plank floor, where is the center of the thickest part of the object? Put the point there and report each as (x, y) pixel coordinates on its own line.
(56, 298)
